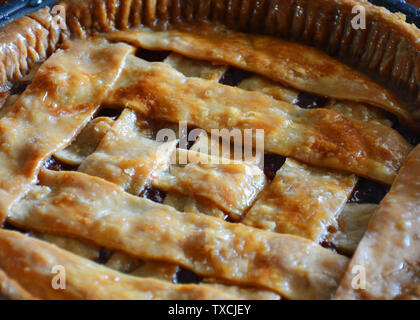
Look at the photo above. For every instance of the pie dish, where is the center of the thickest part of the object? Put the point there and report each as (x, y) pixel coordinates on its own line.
(86, 185)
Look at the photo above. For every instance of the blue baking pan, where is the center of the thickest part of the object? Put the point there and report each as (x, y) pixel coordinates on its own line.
(412, 13)
(17, 8)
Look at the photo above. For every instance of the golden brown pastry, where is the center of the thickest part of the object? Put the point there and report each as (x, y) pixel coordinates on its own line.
(124, 156)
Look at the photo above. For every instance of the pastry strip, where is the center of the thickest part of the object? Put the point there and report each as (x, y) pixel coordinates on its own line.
(270, 88)
(193, 68)
(11, 289)
(350, 109)
(389, 251)
(232, 185)
(191, 204)
(83, 249)
(150, 269)
(65, 93)
(360, 111)
(167, 271)
(84, 279)
(90, 208)
(289, 63)
(145, 269)
(86, 142)
(352, 224)
(302, 200)
(320, 137)
(127, 157)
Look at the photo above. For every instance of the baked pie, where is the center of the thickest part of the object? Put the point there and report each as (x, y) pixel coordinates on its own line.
(328, 208)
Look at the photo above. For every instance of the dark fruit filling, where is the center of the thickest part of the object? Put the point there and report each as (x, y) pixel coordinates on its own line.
(104, 255)
(152, 56)
(310, 101)
(153, 194)
(368, 191)
(186, 276)
(234, 76)
(272, 163)
(109, 112)
(56, 165)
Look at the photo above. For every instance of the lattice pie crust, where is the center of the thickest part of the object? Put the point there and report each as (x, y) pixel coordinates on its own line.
(82, 172)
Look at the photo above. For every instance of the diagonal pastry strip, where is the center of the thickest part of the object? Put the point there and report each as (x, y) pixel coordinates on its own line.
(352, 224)
(302, 200)
(64, 95)
(90, 208)
(320, 137)
(126, 157)
(30, 261)
(289, 63)
(86, 142)
(388, 256)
